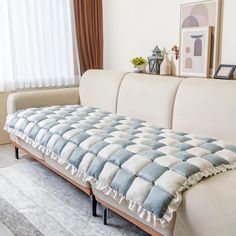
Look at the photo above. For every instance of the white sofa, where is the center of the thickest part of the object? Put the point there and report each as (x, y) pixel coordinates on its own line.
(199, 106)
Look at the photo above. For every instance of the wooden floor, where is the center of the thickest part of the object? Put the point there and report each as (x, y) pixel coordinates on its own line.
(7, 158)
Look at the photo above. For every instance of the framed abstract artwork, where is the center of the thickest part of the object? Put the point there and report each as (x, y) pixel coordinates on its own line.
(204, 14)
(195, 51)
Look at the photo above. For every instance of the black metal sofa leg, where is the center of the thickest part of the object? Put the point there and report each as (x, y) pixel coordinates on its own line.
(104, 215)
(17, 153)
(94, 205)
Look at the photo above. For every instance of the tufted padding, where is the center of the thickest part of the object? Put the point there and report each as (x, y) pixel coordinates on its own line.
(126, 158)
(148, 97)
(99, 88)
(206, 108)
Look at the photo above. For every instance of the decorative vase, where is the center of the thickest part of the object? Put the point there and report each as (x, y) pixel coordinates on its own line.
(140, 68)
(165, 68)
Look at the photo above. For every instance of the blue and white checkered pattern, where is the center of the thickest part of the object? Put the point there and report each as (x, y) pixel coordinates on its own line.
(147, 165)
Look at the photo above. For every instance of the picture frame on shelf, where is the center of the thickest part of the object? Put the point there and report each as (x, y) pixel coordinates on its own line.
(203, 14)
(195, 51)
(225, 72)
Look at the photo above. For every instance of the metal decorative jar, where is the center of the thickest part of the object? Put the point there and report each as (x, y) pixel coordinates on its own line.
(155, 61)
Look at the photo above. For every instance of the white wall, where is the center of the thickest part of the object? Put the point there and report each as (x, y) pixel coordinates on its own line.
(133, 27)
(228, 32)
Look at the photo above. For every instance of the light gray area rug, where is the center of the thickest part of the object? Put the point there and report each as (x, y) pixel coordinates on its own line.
(35, 201)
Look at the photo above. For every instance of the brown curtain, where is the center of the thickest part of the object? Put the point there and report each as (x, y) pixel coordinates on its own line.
(89, 32)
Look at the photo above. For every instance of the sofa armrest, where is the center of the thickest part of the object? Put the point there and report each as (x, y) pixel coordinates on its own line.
(41, 98)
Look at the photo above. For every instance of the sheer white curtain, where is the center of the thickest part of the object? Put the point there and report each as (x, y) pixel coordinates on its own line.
(37, 44)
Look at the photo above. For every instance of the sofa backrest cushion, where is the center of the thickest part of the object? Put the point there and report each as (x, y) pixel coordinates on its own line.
(148, 97)
(206, 108)
(99, 88)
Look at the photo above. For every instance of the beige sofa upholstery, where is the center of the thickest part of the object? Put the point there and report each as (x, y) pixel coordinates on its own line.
(199, 106)
(208, 208)
(101, 92)
(39, 98)
(206, 108)
(148, 97)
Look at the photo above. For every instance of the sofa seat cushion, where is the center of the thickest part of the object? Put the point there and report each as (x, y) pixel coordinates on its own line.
(35, 152)
(214, 214)
(62, 169)
(128, 159)
(124, 208)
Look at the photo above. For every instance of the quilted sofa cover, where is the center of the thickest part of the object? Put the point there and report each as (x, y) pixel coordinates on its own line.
(128, 159)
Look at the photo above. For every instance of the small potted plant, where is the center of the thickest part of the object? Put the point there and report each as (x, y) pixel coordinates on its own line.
(139, 64)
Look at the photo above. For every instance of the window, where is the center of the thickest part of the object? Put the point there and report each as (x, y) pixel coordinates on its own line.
(37, 44)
